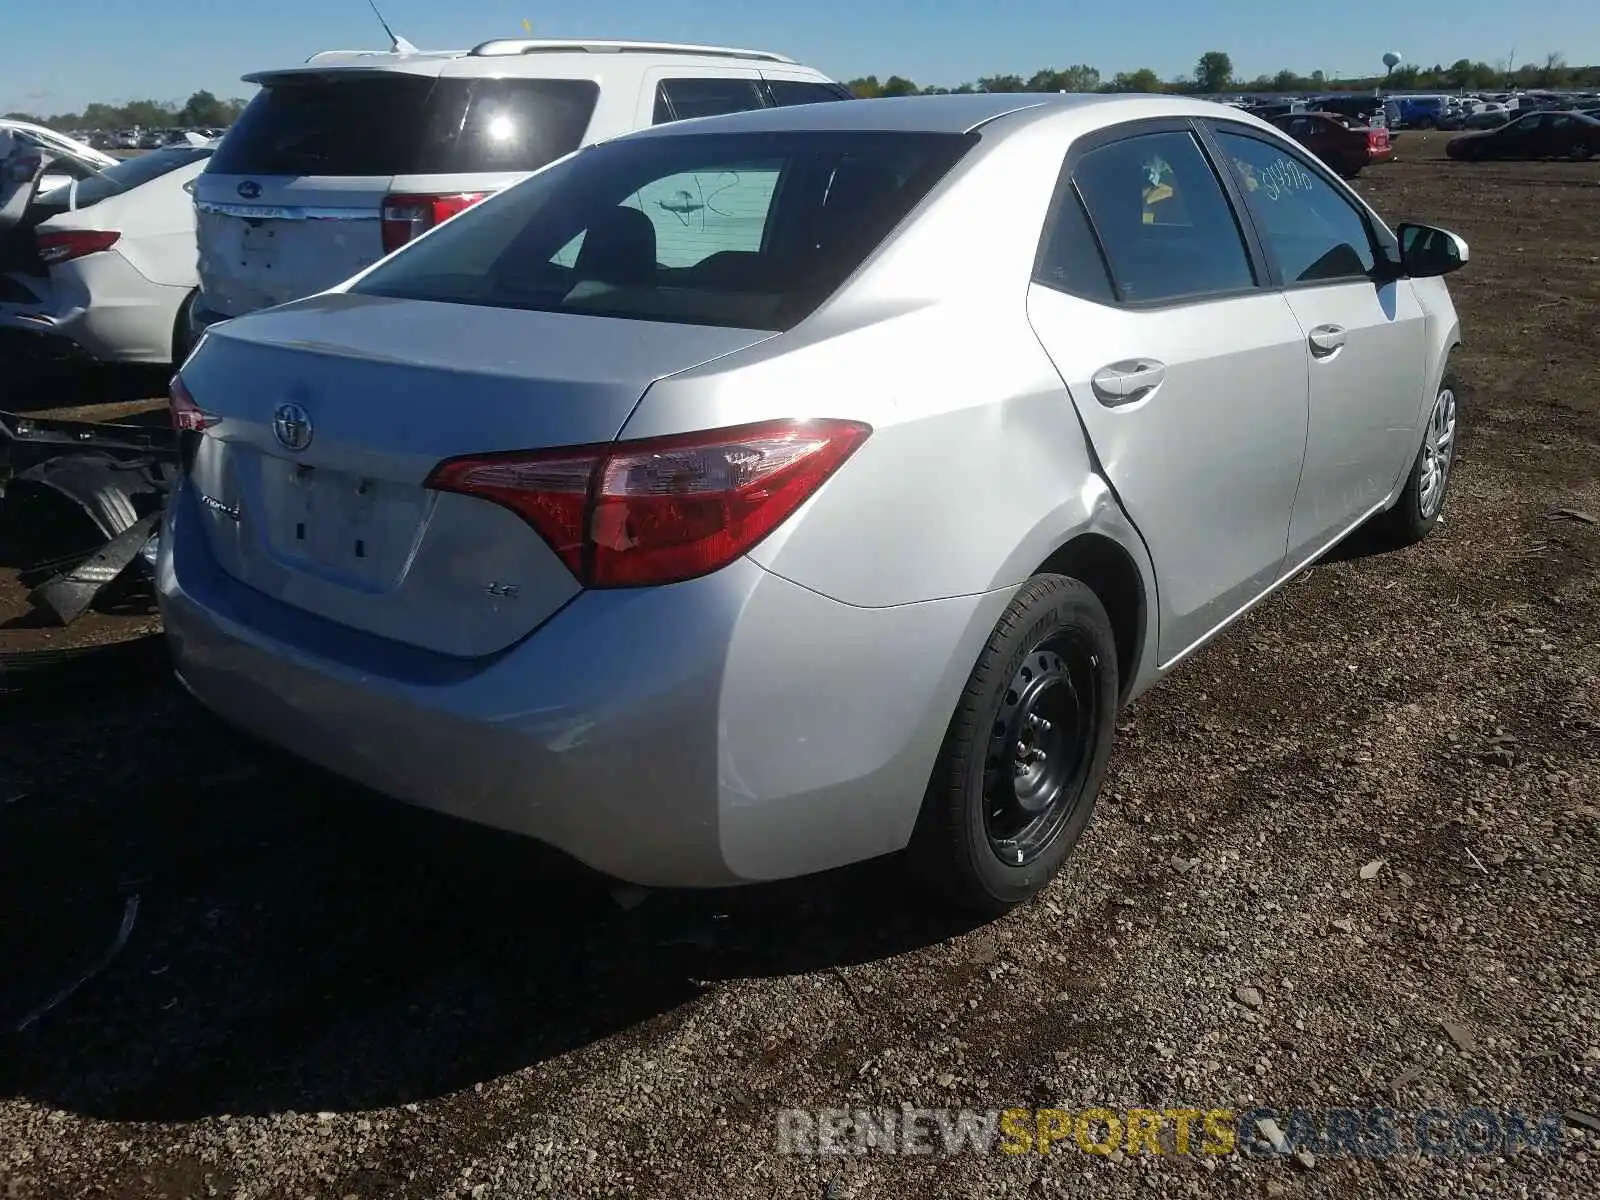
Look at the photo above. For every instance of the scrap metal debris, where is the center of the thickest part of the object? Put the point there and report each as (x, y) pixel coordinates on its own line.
(116, 475)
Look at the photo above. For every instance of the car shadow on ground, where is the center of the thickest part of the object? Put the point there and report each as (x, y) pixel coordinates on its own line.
(30, 385)
(260, 938)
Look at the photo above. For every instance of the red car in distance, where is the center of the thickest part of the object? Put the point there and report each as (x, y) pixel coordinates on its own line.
(1345, 148)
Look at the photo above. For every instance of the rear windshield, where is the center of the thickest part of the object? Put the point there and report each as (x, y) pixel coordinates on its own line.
(744, 230)
(388, 123)
(128, 174)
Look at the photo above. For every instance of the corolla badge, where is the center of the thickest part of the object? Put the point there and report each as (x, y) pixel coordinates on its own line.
(291, 424)
(231, 511)
(249, 189)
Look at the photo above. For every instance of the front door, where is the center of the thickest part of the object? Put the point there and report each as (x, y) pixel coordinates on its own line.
(1363, 335)
(1189, 376)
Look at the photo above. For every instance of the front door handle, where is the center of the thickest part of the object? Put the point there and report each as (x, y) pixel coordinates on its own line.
(1127, 381)
(1326, 340)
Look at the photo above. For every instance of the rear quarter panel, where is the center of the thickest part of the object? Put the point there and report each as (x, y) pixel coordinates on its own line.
(977, 469)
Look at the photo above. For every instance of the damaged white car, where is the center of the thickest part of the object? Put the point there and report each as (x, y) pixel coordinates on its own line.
(104, 267)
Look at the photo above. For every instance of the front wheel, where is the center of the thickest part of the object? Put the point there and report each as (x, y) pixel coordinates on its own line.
(1025, 752)
(1422, 499)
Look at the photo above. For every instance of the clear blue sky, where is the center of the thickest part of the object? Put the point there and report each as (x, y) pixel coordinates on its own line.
(57, 55)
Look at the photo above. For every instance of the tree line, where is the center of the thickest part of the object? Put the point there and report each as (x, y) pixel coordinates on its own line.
(201, 109)
(1214, 73)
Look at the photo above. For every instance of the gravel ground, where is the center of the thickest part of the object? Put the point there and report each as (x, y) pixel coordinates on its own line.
(1347, 858)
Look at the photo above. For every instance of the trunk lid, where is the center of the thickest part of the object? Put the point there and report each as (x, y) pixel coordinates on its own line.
(343, 526)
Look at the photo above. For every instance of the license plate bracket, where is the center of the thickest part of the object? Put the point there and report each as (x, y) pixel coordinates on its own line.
(258, 245)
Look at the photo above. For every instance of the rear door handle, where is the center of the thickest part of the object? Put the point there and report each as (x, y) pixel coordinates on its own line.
(1326, 339)
(1127, 381)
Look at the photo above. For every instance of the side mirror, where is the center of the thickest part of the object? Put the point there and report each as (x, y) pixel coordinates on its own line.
(1426, 251)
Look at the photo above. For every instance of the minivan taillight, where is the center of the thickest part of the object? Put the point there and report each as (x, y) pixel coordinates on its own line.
(407, 216)
(628, 514)
(66, 244)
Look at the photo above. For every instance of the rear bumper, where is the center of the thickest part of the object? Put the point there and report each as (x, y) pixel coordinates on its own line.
(725, 730)
(103, 306)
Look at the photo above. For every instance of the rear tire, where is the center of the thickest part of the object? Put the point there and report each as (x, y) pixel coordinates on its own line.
(1026, 750)
(182, 343)
(1422, 499)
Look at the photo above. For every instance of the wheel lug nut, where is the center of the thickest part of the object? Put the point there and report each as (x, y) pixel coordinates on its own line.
(1038, 755)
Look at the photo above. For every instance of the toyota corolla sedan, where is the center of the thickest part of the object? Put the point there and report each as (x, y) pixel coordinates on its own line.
(763, 493)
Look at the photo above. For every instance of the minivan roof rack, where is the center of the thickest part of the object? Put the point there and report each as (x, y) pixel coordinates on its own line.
(507, 46)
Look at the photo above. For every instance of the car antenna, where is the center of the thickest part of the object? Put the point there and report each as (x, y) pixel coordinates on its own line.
(397, 45)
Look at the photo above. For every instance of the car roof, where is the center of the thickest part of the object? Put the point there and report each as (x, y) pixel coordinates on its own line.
(941, 114)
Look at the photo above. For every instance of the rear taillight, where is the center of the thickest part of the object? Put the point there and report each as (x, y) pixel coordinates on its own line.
(406, 217)
(66, 244)
(1377, 139)
(187, 416)
(665, 509)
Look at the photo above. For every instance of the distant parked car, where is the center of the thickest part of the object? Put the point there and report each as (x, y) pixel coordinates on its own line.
(838, 522)
(1348, 150)
(1534, 135)
(378, 148)
(111, 266)
(1421, 112)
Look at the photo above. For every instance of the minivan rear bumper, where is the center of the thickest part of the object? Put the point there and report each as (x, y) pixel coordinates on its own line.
(723, 730)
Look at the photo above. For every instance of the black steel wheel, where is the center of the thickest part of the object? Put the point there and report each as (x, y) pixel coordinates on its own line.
(1038, 750)
(1025, 752)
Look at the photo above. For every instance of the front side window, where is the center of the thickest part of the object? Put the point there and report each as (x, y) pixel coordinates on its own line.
(1162, 218)
(682, 99)
(1312, 231)
(742, 230)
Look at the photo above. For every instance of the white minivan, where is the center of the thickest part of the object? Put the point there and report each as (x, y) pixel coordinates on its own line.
(339, 161)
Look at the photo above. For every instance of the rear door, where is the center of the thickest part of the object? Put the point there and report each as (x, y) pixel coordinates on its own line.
(1189, 374)
(1364, 331)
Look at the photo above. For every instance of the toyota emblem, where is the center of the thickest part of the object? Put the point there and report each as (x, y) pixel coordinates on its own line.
(291, 424)
(249, 189)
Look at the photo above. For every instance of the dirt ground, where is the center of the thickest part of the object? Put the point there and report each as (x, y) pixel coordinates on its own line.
(315, 993)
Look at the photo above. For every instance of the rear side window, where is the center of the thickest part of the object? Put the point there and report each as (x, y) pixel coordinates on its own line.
(130, 173)
(389, 123)
(743, 230)
(1071, 260)
(1163, 220)
(681, 99)
(785, 92)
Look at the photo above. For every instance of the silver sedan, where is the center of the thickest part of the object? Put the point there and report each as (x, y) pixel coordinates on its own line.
(759, 494)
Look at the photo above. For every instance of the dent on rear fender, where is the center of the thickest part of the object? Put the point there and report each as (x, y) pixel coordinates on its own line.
(954, 503)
